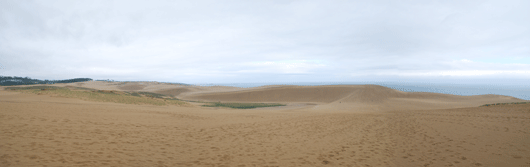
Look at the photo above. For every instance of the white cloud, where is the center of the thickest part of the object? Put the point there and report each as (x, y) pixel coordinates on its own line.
(484, 72)
(210, 41)
(285, 67)
(471, 73)
(466, 61)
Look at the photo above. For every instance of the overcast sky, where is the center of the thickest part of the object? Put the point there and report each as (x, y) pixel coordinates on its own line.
(266, 41)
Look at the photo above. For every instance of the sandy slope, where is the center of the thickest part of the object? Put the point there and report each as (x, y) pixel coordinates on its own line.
(156, 87)
(347, 126)
(350, 97)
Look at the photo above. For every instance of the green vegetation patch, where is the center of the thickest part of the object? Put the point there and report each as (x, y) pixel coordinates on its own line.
(34, 88)
(106, 91)
(135, 94)
(150, 94)
(495, 104)
(79, 88)
(243, 105)
(97, 95)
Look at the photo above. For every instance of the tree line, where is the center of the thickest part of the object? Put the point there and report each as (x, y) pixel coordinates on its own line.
(8, 80)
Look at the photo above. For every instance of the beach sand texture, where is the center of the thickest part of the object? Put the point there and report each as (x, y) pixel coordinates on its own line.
(346, 125)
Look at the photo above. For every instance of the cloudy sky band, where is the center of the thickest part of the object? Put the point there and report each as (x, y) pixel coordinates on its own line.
(235, 41)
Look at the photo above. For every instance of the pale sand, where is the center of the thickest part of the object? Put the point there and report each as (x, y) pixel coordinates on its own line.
(321, 126)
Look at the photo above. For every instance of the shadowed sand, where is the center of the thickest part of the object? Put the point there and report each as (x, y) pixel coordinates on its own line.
(357, 125)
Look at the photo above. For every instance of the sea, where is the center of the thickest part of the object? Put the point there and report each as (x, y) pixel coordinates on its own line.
(518, 91)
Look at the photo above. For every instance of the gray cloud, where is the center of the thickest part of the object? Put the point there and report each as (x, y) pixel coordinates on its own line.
(241, 41)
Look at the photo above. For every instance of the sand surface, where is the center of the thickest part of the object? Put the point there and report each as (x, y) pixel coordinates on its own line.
(359, 125)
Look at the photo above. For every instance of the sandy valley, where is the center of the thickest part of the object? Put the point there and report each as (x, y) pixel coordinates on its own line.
(346, 125)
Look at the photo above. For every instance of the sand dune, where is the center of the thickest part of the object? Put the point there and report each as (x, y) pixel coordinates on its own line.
(279, 94)
(391, 128)
(174, 92)
(131, 87)
(344, 97)
(328, 94)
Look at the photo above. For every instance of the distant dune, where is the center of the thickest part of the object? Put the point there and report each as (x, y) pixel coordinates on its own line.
(334, 97)
(327, 94)
(356, 96)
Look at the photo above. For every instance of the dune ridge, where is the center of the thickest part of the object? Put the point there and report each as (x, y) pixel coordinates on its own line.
(325, 94)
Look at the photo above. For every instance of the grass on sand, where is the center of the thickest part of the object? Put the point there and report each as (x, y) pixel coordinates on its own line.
(100, 95)
(243, 105)
(485, 105)
(149, 94)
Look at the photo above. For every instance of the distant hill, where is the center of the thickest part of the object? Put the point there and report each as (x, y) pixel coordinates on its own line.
(7, 80)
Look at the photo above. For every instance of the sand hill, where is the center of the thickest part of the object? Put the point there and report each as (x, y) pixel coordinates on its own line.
(344, 97)
(344, 125)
